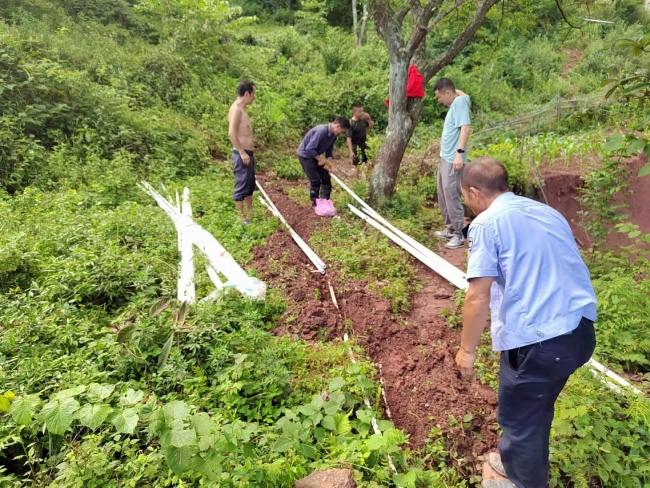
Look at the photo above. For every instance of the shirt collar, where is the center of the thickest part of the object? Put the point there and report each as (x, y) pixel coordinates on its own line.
(501, 200)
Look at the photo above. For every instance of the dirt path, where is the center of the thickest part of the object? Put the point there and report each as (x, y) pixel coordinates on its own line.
(415, 350)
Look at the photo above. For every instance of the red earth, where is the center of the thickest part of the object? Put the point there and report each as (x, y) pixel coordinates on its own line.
(414, 351)
(562, 188)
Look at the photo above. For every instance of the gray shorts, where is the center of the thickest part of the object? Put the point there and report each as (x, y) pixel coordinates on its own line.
(244, 176)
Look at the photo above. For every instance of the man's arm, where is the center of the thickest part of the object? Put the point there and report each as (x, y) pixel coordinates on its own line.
(462, 144)
(233, 125)
(371, 122)
(476, 313)
(310, 148)
(348, 141)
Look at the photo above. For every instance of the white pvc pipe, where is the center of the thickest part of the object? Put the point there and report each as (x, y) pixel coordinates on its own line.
(445, 269)
(601, 368)
(186, 289)
(309, 252)
(216, 254)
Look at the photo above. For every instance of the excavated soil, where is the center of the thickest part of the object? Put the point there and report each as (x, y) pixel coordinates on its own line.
(562, 188)
(414, 351)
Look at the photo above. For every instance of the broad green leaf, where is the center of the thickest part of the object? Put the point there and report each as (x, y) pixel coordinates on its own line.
(337, 383)
(59, 414)
(23, 408)
(328, 422)
(376, 442)
(365, 416)
(614, 143)
(70, 392)
(176, 410)
(4, 404)
(307, 451)
(206, 441)
(92, 416)
(202, 423)
(97, 393)
(317, 401)
(284, 443)
(179, 459)
(182, 437)
(126, 421)
(131, 397)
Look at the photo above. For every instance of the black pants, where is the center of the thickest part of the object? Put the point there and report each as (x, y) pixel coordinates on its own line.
(530, 380)
(359, 147)
(320, 183)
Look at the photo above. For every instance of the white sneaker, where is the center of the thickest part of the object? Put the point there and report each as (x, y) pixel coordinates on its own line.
(444, 234)
(455, 242)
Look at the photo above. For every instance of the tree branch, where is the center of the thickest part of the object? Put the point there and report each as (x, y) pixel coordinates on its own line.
(461, 41)
(443, 15)
(420, 31)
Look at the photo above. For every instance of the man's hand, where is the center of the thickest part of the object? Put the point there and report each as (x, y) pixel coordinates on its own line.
(327, 164)
(458, 162)
(465, 362)
(245, 158)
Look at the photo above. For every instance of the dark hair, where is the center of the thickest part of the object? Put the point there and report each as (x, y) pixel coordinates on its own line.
(246, 86)
(342, 121)
(357, 105)
(486, 174)
(444, 84)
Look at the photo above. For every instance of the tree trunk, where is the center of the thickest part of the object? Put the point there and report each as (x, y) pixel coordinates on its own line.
(364, 21)
(398, 133)
(355, 28)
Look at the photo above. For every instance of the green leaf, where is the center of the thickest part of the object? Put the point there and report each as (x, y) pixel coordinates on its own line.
(636, 146)
(126, 333)
(126, 421)
(376, 442)
(182, 437)
(59, 414)
(166, 349)
(23, 408)
(69, 393)
(92, 416)
(131, 397)
(644, 171)
(614, 143)
(337, 383)
(4, 404)
(202, 423)
(179, 459)
(97, 393)
(284, 443)
(176, 410)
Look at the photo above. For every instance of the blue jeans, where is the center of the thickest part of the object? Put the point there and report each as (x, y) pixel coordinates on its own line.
(530, 380)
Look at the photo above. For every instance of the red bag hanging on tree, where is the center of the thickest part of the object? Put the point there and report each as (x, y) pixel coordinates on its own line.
(414, 84)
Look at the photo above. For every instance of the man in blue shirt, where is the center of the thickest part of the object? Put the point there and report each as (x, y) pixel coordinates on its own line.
(453, 144)
(524, 267)
(318, 141)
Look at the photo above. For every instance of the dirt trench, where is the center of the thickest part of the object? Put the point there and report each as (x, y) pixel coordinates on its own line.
(414, 351)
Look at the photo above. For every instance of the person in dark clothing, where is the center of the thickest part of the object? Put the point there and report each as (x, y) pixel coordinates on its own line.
(360, 123)
(317, 142)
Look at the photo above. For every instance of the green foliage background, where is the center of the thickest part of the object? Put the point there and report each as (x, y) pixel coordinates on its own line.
(100, 387)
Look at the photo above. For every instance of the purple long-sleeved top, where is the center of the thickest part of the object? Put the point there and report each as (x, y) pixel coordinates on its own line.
(317, 141)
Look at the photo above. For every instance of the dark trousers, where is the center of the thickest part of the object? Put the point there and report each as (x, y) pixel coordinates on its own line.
(320, 183)
(530, 380)
(359, 147)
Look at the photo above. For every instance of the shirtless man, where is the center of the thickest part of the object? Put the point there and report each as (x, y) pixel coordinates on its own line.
(240, 133)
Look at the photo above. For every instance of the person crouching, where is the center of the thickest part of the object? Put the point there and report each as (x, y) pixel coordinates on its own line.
(315, 153)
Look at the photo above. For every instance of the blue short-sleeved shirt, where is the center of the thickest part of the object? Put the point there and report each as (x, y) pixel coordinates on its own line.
(457, 116)
(542, 286)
